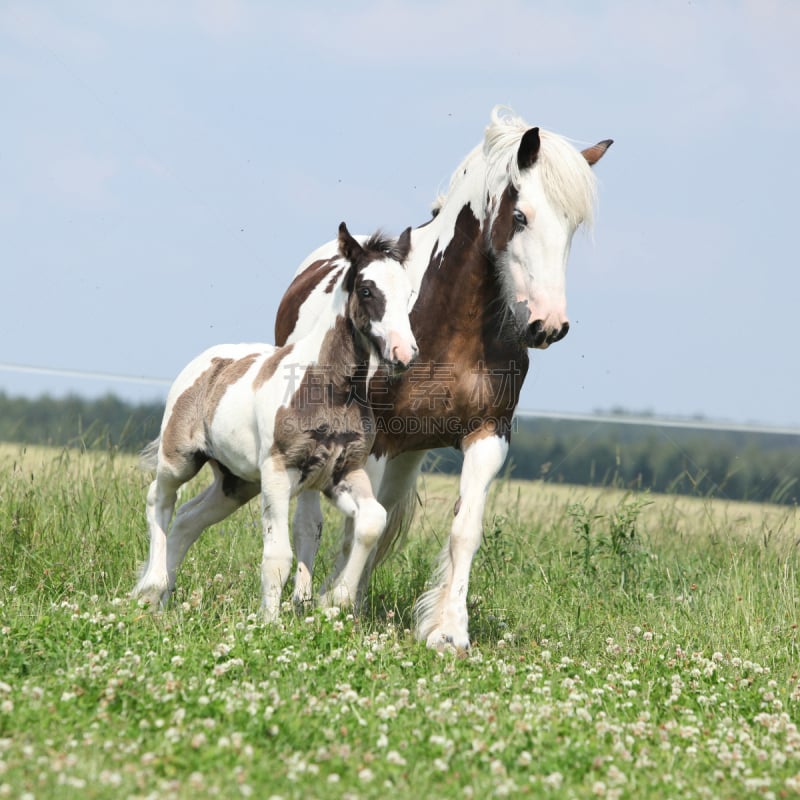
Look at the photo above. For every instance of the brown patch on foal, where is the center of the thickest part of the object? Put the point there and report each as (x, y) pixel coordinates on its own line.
(269, 367)
(183, 441)
(297, 293)
(326, 430)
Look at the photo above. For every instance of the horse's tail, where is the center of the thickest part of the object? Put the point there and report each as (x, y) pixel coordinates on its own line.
(398, 522)
(148, 457)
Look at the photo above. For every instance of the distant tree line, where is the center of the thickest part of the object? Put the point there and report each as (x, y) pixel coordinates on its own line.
(707, 463)
(77, 422)
(731, 464)
(734, 464)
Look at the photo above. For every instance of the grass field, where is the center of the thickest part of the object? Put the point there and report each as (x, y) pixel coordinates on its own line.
(624, 646)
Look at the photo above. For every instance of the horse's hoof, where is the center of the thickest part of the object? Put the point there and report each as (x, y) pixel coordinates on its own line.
(153, 599)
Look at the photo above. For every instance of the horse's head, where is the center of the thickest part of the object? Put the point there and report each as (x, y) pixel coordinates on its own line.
(540, 189)
(380, 295)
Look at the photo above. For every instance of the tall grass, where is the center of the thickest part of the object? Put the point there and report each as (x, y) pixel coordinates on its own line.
(624, 646)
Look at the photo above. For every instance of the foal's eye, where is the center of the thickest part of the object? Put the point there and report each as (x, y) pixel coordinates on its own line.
(364, 292)
(520, 220)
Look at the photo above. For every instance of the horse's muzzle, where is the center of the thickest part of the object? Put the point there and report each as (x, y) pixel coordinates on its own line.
(536, 335)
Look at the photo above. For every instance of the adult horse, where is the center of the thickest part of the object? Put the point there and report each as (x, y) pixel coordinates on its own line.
(489, 270)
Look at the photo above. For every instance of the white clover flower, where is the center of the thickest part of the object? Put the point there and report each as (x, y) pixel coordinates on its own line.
(553, 780)
(394, 758)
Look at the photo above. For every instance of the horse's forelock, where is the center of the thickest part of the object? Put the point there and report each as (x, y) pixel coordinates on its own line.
(567, 178)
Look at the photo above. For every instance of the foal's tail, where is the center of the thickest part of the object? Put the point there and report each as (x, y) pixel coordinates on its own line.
(398, 522)
(148, 458)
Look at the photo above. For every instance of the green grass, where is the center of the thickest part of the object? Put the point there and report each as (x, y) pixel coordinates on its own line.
(624, 647)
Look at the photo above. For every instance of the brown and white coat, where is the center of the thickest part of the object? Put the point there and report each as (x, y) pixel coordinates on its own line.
(275, 420)
(489, 271)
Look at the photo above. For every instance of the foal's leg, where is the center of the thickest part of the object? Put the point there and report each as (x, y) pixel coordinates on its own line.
(152, 586)
(441, 613)
(307, 532)
(353, 496)
(374, 469)
(226, 494)
(276, 490)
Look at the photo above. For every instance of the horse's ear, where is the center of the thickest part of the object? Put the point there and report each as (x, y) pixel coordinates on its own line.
(594, 153)
(528, 148)
(350, 249)
(403, 246)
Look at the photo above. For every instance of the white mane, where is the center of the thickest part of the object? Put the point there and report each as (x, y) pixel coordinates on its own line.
(567, 178)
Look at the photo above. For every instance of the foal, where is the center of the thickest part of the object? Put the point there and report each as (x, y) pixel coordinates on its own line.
(276, 420)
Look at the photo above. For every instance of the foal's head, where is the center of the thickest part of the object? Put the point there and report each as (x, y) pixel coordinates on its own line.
(380, 295)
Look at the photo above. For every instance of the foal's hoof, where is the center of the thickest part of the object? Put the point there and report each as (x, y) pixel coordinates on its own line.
(302, 602)
(439, 639)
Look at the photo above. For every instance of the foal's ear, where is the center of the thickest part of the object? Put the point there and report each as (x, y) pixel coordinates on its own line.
(594, 153)
(528, 148)
(350, 249)
(403, 246)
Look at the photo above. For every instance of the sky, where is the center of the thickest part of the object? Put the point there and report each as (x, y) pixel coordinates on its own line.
(165, 168)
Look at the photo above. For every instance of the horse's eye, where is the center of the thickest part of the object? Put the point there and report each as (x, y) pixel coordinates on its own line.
(520, 220)
(365, 292)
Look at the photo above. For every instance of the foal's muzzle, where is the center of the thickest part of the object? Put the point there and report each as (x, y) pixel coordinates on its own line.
(402, 359)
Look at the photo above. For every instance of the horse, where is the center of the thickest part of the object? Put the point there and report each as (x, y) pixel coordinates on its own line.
(489, 272)
(275, 420)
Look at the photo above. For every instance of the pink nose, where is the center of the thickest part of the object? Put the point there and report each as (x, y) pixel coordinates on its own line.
(403, 351)
(538, 329)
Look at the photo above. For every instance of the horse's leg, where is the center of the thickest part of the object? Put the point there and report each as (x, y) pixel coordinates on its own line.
(219, 500)
(353, 496)
(306, 532)
(152, 586)
(276, 490)
(441, 613)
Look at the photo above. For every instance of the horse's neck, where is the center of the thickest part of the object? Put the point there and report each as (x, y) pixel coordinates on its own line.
(432, 238)
(460, 292)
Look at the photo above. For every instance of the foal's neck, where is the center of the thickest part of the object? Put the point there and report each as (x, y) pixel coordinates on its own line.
(346, 355)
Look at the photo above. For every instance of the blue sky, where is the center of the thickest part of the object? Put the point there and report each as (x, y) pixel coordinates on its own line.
(164, 168)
